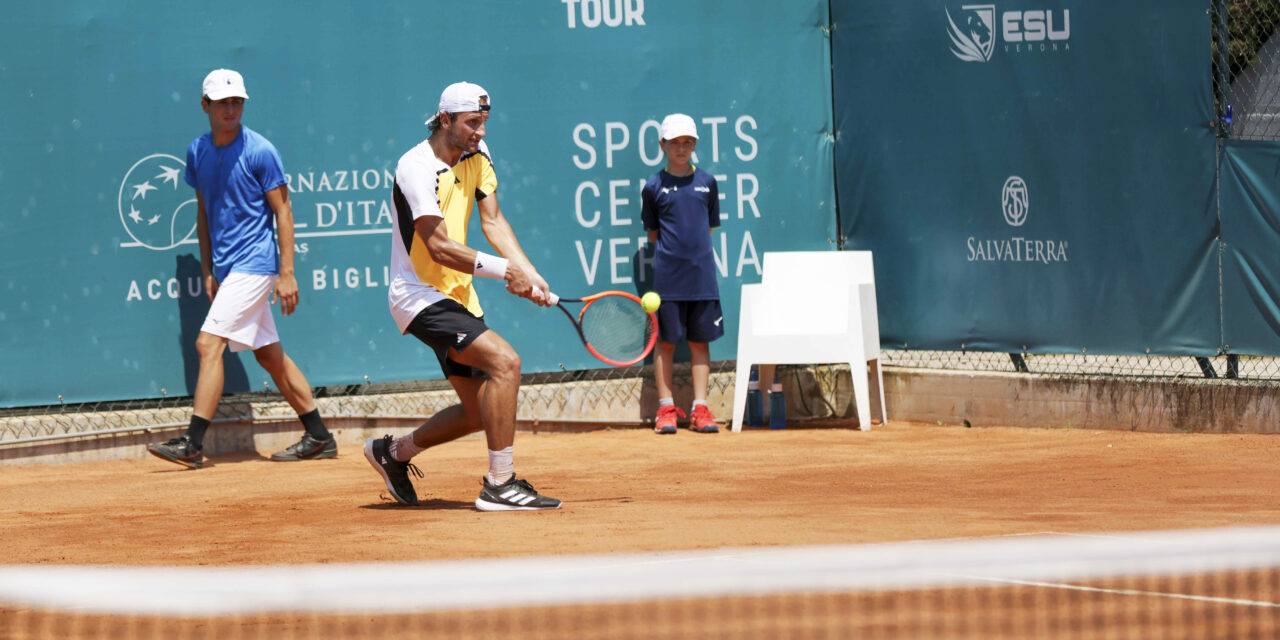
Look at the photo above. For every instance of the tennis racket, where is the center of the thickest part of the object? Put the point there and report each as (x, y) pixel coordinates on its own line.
(613, 326)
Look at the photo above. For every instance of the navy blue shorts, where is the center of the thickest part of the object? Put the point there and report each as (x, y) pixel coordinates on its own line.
(698, 320)
(448, 324)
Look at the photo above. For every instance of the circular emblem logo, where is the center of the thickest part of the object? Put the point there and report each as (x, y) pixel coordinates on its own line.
(1014, 202)
(154, 208)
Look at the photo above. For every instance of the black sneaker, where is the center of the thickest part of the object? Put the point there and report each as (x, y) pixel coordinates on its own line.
(513, 495)
(180, 450)
(395, 473)
(308, 448)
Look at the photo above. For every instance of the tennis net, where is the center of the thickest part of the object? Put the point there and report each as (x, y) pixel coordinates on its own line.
(1219, 583)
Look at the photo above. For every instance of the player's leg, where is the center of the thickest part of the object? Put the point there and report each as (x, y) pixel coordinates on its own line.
(211, 377)
(670, 331)
(704, 323)
(700, 369)
(438, 326)
(447, 425)
(497, 395)
(316, 443)
(444, 327)
(287, 376)
(188, 449)
(701, 419)
(664, 355)
(392, 456)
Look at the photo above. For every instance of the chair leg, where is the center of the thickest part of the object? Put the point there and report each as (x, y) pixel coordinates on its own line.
(877, 388)
(740, 382)
(861, 393)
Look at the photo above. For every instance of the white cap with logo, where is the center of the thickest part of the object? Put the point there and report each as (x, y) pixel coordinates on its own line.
(224, 83)
(461, 97)
(676, 125)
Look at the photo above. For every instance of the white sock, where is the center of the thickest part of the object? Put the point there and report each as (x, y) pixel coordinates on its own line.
(666, 402)
(502, 465)
(699, 402)
(403, 449)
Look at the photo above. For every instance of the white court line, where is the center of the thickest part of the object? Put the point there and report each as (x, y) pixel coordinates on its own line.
(1123, 592)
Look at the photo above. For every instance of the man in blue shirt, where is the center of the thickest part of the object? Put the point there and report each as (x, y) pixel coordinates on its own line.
(680, 209)
(247, 263)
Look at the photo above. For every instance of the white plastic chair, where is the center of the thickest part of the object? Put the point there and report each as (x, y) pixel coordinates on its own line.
(812, 307)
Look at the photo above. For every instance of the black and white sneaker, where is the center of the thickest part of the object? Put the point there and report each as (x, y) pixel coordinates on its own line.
(513, 495)
(180, 450)
(395, 473)
(308, 448)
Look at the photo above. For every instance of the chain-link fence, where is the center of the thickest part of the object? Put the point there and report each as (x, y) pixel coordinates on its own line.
(623, 397)
(1246, 65)
(1225, 369)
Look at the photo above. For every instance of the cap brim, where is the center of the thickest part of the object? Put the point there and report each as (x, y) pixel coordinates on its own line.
(218, 95)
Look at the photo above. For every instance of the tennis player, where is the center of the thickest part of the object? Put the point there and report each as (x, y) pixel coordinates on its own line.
(432, 298)
(247, 263)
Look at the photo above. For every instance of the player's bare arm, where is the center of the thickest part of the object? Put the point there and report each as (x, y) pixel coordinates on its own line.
(503, 238)
(459, 257)
(206, 248)
(287, 284)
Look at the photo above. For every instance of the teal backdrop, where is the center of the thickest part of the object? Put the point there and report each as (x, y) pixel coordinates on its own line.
(1038, 175)
(101, 97)
(1250, 198)
(1032, 175)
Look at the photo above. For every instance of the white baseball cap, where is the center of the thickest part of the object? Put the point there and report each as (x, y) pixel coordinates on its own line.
(224, 83)
(676, 125)
(461, 97)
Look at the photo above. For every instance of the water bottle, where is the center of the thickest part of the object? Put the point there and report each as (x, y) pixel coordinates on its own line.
(755, 406)
(777, 406)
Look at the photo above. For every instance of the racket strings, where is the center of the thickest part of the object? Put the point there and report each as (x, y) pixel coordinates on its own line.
(618, 327)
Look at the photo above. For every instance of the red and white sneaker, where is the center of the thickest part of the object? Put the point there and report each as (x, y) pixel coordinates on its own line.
(666, 421)
(702, 420)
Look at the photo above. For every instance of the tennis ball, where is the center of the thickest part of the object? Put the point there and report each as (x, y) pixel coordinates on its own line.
(650, 301)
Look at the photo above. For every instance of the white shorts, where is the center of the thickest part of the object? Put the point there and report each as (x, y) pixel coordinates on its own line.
(241, 311)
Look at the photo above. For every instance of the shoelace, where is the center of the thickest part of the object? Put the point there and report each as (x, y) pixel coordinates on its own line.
(409, 467)
(302, 445)
(183, 442)
(671, 408)
(412, 468)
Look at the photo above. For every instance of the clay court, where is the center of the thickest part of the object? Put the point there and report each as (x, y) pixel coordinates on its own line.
(630, 490)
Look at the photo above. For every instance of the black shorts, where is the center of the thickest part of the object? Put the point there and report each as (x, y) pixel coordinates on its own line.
(700, 320)
(444, 325)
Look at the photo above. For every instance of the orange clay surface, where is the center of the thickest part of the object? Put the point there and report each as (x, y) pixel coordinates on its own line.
(632, 490)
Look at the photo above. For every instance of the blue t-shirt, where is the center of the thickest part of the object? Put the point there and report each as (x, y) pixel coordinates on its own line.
(234, 181)
(683, 211)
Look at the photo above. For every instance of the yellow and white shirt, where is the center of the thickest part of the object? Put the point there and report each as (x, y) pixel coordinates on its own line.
(426, 186)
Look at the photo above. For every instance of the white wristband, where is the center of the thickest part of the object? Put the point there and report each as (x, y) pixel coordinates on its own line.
(488, 266)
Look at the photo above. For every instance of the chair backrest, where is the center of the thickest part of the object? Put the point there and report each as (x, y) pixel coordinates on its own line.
(807, 292)
(835, 269)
